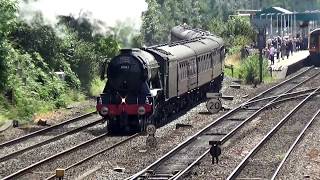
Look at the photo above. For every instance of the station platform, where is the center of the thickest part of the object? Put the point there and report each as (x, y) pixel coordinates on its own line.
(283, 68)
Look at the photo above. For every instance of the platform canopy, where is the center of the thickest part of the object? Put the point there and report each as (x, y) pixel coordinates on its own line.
(300, 16)
(308, 16)
(273, 11)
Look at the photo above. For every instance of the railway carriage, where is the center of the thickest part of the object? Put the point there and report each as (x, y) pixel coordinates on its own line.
(314, 47)
(147, 85)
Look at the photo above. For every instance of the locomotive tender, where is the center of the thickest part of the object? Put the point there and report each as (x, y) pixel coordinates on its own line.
(147, 85)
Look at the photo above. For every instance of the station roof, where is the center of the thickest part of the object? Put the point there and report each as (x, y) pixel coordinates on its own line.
(274, 11)
(300, 16)
(308, 16)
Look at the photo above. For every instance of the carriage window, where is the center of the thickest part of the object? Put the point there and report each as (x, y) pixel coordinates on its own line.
(202, 61)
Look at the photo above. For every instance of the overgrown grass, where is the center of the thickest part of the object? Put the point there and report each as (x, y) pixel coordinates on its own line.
(25, 108)
(248, 70)
(2, 119)
(90, 109)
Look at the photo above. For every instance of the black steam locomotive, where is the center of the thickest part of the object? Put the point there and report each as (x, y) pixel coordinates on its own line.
(147, 85)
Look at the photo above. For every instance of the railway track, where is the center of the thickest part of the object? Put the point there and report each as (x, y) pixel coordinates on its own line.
(182, 158)
(40, 137)
(265, 160)
(69, 158)
(21, 152)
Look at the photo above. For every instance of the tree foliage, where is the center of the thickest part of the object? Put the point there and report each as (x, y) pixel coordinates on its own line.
(31, 53)
(7, 23)
(162, 15)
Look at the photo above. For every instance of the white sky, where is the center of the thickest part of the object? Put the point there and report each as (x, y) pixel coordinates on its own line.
(109, 11)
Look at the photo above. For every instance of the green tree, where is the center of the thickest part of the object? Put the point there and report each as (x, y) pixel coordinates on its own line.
(8, 11)
(151, 26)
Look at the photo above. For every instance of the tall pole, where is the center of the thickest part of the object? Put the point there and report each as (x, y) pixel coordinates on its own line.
(261, 45)
(277, 25)
(271, 25)
(266, 21)
(281, 20)
(292, 24)
(288, 27)
(295, 24)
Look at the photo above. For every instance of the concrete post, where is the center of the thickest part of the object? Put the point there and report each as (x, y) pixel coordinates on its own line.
(271, 32)
(294, 24)
(267, 31)
(281, 23)
(277, 24)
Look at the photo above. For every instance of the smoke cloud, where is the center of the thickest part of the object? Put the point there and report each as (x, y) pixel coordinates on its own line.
(108, 11)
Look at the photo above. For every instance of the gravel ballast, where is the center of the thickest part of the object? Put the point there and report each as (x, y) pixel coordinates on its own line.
(134, 155)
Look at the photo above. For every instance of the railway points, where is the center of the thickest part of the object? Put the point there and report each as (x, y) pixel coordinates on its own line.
(183, 157)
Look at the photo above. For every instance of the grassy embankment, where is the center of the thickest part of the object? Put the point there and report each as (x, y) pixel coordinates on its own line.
(247, 69)
(34, 108)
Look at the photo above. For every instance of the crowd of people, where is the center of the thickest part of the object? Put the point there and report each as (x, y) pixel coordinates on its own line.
(281, 48)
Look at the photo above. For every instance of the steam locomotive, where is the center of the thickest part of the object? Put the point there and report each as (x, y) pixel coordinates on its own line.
(147, 85)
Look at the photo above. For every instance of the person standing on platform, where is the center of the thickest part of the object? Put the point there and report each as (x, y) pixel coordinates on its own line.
(271, 54)
(277, 46)
(283, 49)
(290, 47)
(294, 45)
(287, 49)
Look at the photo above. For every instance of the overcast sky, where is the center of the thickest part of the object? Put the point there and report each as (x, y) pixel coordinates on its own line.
(109, 11)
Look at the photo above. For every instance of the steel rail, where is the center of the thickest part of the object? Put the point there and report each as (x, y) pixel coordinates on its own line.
(223, 140)
(97, 153)
(282, 83)
(182, 173)
(297, 85)
(243, 163)
(16, 140)
(8, 156)
(26, 169)
(194, 137)
(230, 134)
(292, 94)
(299, 94)
(298, 139)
